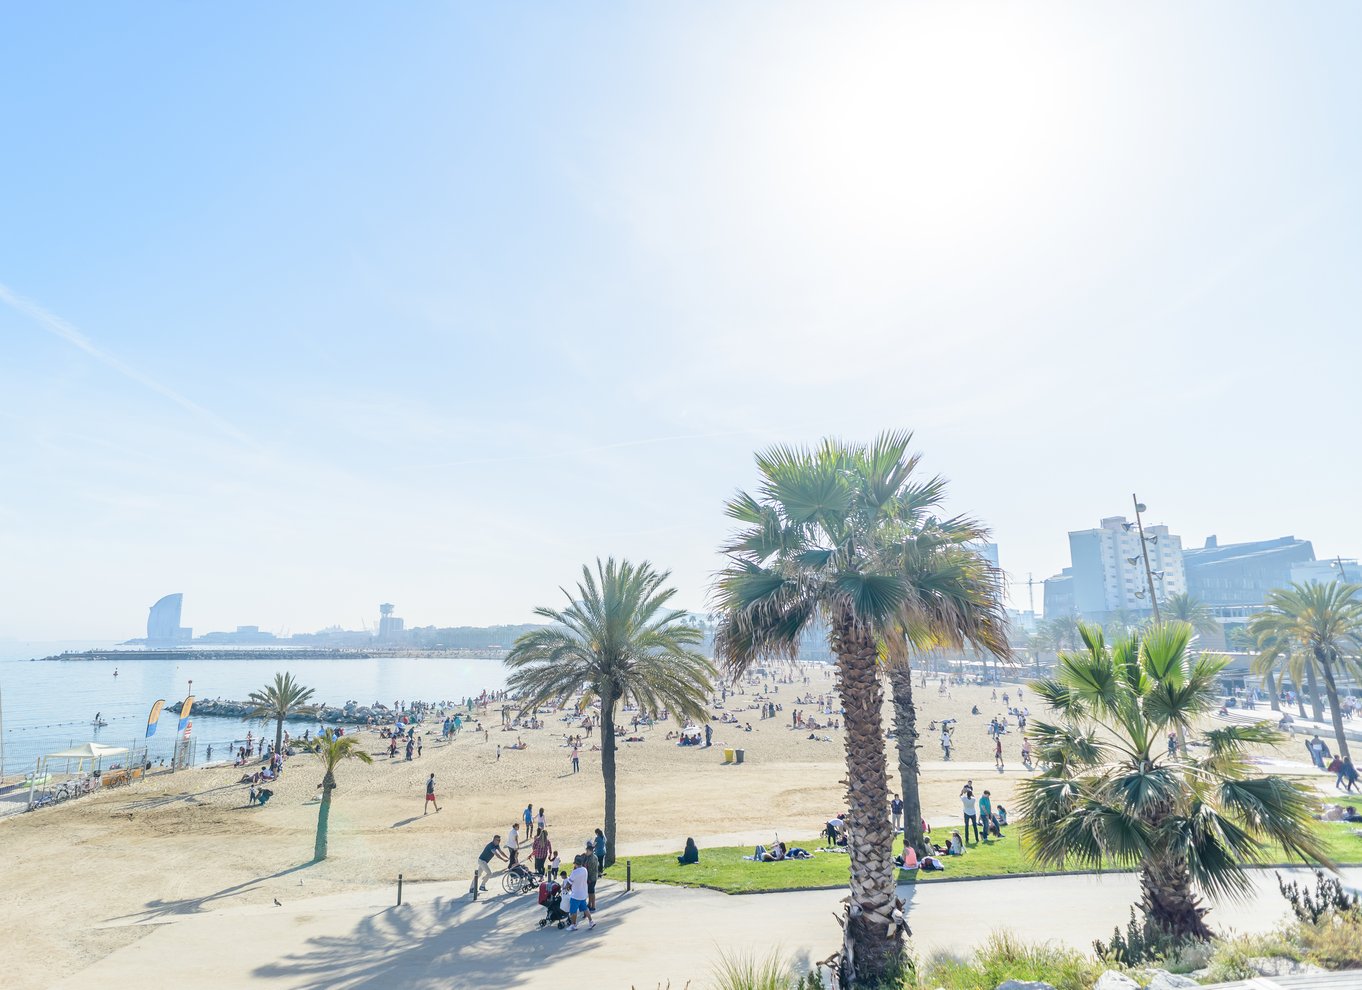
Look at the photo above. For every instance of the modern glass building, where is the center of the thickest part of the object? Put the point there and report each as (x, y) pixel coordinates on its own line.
(163, 622)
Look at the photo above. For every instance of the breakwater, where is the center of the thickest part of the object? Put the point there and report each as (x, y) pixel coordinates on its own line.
(350, 713)
(180, 656)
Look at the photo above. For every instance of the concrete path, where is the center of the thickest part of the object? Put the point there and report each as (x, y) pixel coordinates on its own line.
(647, 938)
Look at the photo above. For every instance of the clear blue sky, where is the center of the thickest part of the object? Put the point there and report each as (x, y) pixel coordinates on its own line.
(311, 306)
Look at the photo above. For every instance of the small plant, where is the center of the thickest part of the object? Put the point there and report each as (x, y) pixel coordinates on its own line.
(1330, 898)
(1232, 958)
(1334, 943)
(1004, 957)
(745, 972)
(1141, 944)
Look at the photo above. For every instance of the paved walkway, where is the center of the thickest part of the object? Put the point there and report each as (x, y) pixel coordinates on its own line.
(439, 938)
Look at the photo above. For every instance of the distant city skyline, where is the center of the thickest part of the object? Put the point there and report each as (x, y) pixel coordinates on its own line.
(533, 286)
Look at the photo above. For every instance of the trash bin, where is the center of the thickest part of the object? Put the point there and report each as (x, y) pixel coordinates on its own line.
(729, 757)
(739, 754)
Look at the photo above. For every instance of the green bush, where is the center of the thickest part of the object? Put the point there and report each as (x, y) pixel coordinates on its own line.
(1229, 960)
(1003, 957)
(746, 972)
(1335, 942)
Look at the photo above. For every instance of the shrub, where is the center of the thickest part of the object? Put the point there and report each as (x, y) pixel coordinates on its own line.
(1335, 942)
(1140, 944)
(1230, 959)
(1003, 957)
(1330, 898)
(745, 972)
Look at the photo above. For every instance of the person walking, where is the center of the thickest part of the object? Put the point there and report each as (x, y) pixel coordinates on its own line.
(541, 850)
(430, 796)
(527, 816)
(492, 849)
(998, 754)
(971, 809)
(539, 820)
(578, 884)
(896, 813)
(513, 846)
(598, 850)
(576, 760)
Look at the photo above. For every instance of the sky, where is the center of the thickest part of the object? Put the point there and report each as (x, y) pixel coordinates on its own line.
(308, 307)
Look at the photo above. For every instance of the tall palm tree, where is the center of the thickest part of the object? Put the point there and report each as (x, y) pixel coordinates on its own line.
(1275, 659)
(845, 534)
(283, 699)
(1325, 621)
(1110, 795)
(1057, 634)
(617, 639)
(1185, 607)
(331, 750)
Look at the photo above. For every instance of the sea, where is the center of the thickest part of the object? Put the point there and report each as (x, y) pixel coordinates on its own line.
(49, 705)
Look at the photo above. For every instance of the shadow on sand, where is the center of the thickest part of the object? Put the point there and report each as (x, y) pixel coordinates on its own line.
(448, 942)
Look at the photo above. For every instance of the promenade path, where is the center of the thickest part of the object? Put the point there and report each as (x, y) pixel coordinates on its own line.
(644, 939)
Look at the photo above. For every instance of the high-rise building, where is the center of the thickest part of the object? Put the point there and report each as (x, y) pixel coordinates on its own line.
(1326, 571)
(1233, 579)
(1107, 570)
(163, 622)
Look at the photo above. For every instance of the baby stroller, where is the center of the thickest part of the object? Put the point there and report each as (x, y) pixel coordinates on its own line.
(551, 896)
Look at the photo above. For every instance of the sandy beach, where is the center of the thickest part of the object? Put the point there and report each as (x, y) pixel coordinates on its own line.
(184, 843)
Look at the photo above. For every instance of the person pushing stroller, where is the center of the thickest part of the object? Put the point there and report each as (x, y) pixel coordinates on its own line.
(551, 899)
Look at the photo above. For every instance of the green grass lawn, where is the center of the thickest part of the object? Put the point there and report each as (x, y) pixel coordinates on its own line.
(723, 868)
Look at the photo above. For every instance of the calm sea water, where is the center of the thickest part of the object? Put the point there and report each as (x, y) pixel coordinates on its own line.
(50, 705)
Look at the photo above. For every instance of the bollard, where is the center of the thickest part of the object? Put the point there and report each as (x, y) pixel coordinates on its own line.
(399, 890)
(475, 885)
(628, 875)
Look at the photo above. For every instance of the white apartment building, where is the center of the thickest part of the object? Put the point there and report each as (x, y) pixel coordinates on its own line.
(1108, 569)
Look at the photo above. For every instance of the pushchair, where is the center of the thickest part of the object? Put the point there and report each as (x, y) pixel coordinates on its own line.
(551, 896)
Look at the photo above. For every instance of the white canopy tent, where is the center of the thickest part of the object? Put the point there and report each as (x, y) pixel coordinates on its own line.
(91, 751)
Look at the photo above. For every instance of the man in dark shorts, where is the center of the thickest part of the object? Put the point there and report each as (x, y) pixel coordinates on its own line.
(430, 796)
(592, 875)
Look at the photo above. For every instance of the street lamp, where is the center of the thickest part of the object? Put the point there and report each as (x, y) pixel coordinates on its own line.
(1144, 552)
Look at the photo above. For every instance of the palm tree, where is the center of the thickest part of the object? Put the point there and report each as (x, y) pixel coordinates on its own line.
(616, 640)
(1057, 634)
(283, 699)
(1184, 607)
(331, 749)
(1325, 622)
(1275, 655)
(843, 534)
(1110, 794)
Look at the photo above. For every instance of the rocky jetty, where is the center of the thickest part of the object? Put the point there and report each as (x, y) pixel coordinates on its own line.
(351, 713)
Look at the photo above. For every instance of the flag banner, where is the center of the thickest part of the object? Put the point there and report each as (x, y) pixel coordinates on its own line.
(184, 712)
(154, 718)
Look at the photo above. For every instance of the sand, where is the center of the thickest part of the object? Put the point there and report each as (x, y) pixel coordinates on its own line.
(183, 843)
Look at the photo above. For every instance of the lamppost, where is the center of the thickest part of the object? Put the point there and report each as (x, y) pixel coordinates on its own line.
(1144, 553)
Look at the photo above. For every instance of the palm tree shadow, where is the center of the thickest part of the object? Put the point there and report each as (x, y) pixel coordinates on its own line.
(193, 905)
(418, 946)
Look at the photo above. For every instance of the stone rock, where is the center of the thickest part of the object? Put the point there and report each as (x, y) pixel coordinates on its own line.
(1161, 979)
(1113, 980)
(1024, 985)
(1278, 966)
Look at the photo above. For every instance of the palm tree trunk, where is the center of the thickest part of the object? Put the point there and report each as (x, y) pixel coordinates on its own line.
(279, 734)
(1272, 692)
(1300, 697)
(872, 946)
(905, 734)
(1315, 707)
(1331, 688)
(323, 818)
(608, 772)
(1168, 901)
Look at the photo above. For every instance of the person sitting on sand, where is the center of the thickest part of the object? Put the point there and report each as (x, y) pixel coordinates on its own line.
(690, 855)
